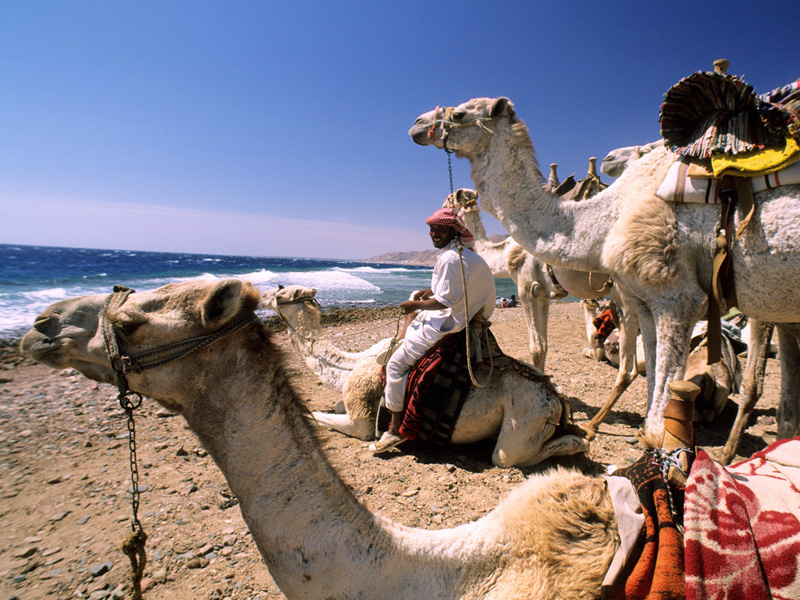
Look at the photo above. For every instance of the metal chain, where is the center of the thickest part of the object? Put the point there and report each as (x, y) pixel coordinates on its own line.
(134, 545)
(129, 406)
(664, 460)
(450, 168)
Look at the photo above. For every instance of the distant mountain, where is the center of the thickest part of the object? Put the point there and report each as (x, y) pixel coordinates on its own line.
(424, 258)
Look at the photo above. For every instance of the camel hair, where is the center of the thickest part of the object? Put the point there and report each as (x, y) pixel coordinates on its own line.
(553, 537)
(659, 253)
(519, 405)
(758, 342)
(536, 287)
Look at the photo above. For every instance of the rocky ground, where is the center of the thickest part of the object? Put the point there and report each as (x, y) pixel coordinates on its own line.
(65, 503)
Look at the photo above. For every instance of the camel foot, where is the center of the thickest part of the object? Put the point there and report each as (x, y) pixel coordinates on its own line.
(588, 432)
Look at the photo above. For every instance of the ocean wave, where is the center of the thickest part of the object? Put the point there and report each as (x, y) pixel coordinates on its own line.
(377, 270)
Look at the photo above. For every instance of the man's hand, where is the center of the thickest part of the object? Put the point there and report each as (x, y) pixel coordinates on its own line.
(410, 306)
(422, 294)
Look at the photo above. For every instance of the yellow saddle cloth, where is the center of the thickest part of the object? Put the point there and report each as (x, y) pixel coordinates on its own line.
(757, 162)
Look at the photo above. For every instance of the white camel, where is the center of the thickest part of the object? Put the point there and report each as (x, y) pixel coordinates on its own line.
(553, 537)
(536, 283)
(659, 253)
(752, 381)
(520, 406)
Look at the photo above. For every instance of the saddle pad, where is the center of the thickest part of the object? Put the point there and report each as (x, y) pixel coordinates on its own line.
(436, 389)
(679, 187)
(753, 164)
(742, 526)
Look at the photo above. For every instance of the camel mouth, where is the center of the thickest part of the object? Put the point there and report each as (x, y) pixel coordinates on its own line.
(419, 134)
(41, 348)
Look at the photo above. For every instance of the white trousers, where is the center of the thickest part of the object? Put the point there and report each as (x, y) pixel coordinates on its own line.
(419, 338)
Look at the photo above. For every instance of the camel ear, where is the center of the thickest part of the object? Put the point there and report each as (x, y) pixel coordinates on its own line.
(500, 106)
(228, 299)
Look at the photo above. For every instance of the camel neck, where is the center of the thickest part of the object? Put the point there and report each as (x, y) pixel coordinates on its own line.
(312, 532)
(561, 233)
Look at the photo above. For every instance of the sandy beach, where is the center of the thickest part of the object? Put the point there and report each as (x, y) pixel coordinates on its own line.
(64, 486)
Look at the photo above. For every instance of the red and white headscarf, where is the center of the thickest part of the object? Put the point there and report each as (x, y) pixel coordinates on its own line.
(450, 218)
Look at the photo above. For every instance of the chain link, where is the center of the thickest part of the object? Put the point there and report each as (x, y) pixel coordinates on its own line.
(450, 168)
(129, 406)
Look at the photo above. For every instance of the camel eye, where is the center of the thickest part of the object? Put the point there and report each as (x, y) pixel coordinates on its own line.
(459, 115)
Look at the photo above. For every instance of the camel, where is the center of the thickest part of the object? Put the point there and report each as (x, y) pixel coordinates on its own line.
(519, 405)
(752, 381)
(553, 537)
(660, 254)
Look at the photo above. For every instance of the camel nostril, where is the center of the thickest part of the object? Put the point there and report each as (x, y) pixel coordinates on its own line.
(45, 324)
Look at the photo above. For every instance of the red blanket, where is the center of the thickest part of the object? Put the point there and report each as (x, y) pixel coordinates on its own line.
(742, 526)
(435, 392)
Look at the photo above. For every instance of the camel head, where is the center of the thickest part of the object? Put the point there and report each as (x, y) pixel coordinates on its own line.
(464, 129)
(462, 198)
(296, 305)
(78, 332)
(616, 161)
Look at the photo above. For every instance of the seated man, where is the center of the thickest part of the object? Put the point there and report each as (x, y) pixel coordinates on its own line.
(441, 310)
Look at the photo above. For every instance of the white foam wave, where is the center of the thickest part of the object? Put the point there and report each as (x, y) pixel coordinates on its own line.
(375, 270)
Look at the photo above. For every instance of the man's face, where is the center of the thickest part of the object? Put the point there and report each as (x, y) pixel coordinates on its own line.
(441, 235)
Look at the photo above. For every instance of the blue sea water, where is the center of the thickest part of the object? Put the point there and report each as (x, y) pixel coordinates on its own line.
(33, 277)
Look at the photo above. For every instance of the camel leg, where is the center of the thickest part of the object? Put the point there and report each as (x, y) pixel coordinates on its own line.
(648, 329)
(362, 429)
(563, 445)
(674, 319)
(523, 436)
(752, 384)
(627, 369)
(536, 304)
(789, 408)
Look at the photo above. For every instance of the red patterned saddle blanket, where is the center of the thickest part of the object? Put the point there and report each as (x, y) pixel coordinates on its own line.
(742, 526)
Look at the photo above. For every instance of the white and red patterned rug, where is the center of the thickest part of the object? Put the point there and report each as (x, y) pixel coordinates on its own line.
(742, 526)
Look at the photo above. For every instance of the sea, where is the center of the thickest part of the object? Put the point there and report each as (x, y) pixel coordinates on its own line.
(33, 277)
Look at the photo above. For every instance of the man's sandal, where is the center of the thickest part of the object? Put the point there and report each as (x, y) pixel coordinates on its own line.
(387, 442)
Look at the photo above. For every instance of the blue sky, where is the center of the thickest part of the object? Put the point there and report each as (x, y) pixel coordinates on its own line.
(280, 128)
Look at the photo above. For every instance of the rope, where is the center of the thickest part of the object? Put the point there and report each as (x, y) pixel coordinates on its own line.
(606, 284)
(466, 329)
(311, 340)
(133, 547)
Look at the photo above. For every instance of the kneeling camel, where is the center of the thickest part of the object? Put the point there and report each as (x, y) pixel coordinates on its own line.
(519, 405)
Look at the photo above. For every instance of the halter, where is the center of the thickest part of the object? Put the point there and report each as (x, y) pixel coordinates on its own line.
(154, 357)
(448, 123)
